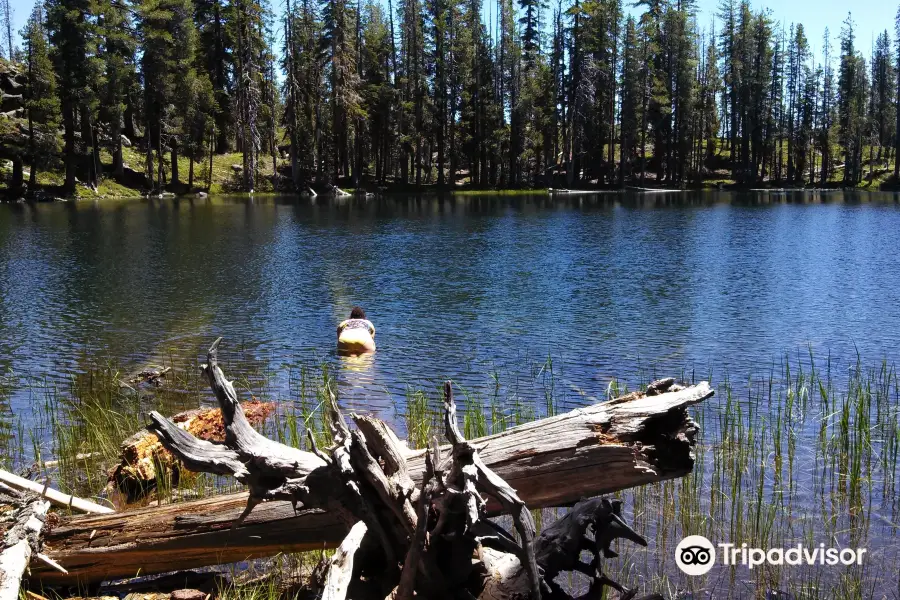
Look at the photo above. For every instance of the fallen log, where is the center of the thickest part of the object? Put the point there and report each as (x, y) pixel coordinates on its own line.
(628, 442)
(56, 497)
(142, 456)
(22, 540)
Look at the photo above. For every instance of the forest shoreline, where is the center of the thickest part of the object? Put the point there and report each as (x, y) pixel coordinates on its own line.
(86, 194)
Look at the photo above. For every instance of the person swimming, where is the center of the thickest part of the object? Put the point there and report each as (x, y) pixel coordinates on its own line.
(356, 334)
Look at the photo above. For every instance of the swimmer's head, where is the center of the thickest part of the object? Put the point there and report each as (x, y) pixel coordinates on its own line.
(357, 313)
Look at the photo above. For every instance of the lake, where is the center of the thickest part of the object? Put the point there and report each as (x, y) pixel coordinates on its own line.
(495, 292)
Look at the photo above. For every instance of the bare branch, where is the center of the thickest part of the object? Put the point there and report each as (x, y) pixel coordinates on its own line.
(197, 455)
(340, 571)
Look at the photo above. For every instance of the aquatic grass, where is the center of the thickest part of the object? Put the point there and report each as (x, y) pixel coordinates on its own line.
(474, 420)
(419, 418)
(805, 452)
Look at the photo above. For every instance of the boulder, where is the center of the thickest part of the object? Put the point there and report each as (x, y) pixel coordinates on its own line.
(9, 85)
(11, 102)
(18, 113)
(189, 595)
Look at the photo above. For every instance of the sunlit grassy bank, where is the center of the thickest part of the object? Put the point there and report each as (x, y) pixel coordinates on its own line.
(805, 453)
(221, 175)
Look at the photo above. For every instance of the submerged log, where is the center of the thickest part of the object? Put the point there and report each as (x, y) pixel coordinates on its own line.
(632, 441)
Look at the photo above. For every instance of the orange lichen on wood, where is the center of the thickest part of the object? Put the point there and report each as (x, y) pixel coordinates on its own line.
(208, 425)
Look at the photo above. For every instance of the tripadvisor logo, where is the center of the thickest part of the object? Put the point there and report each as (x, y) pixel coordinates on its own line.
(696, 555)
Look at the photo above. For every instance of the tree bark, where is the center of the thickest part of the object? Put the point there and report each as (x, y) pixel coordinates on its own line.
(623, 443)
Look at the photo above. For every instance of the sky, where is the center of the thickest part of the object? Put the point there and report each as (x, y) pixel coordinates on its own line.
(871, 16)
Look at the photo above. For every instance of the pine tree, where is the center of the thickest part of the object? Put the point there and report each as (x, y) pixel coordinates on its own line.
(73, 41)
(631, 106)
(303, 112)
(827, 111)
(337, 42)
(246, 28)
(884, 94)
(377, 93)
(171, 85)
(707, 112)
(215, 47)
(683, 88)
(117, 51)
(6, 35)
(797, 74)
(41, 102)
(852, 94)
(440, 18)
(897, 96)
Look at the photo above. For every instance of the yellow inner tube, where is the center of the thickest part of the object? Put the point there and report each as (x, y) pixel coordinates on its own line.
(356, 340)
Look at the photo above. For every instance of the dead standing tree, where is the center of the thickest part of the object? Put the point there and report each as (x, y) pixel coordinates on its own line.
(404, 540)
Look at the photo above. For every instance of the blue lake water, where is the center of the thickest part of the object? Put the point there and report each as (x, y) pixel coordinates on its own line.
(481, 290)
(608, 286)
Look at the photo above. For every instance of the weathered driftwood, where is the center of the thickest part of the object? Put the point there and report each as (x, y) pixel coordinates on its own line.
(560, 545)
(340, 565)
(22, 540)
(556, 461)
(56, 497)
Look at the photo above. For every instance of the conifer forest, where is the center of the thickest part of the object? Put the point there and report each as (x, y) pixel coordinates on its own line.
(409, 94)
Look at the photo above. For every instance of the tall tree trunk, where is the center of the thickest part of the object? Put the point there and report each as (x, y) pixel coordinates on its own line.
(174, 159)
(160, 173)
(118, 162)
(32, 175)
(212, 142)
(149, 158)
(221, 80)
(129, 130)
(18, 179)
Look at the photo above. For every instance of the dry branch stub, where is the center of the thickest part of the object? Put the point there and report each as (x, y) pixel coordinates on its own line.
(55, 497)
(370, 476)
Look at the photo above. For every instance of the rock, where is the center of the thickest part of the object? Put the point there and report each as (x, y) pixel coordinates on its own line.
(9, 85)
(11, 102)
(151, 596)
(18, 113)
(188, 595)
(125, 141)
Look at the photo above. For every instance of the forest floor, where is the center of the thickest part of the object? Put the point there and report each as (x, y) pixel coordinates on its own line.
(225, 179)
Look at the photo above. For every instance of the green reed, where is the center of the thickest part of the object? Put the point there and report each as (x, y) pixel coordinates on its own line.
(806, 452)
